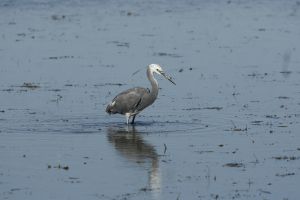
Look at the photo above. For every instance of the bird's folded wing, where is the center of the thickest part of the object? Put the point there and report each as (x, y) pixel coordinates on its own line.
(129, 100)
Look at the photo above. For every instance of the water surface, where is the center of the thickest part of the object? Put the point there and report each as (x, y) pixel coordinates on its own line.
(229, 129)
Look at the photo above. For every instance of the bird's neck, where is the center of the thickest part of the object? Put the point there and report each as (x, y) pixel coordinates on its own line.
(153, 81)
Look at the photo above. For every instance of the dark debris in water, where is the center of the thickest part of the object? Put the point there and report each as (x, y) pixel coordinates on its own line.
(283, 126)
(145, 189)
(202, 152)
(272, 116)
(120, 44)
(30, 85)
(7, 90)
(285, 174)
(56, 17)
(234, 165)
(173, 55)
(262, 29)
(283, 97)
(60, 57)
(181, 69)
(239, 129)
(256, 122)
(264, 191)
(59, 166)
(213, 108)
(205, 108)
(258, 75)
(73, 180)
(287, 158)
(109, 84)
(21, 34)
(73, 85)
(128, 13)
(286, 72)
(134, 73)
(54, 90)
(235, 128)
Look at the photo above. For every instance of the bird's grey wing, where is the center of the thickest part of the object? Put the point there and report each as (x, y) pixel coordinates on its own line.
(127, 101)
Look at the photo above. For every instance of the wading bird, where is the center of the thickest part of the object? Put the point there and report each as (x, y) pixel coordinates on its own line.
(132, 101)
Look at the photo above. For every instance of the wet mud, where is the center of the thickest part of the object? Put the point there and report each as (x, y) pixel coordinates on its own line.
(229, 129)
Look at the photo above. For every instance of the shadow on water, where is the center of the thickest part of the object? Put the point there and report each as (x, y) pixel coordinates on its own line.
(129, 142)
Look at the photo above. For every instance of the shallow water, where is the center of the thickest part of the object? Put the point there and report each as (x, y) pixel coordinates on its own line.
(229, 129)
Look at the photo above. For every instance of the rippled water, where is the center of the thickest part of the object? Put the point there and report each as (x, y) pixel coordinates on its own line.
(227, 130)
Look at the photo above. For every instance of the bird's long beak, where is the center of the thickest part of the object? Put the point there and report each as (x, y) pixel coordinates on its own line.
(167, 77)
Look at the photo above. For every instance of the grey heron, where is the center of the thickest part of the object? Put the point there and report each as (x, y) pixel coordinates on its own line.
(132, 101)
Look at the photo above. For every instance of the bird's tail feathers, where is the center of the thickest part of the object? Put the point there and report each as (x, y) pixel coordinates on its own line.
(110, 108)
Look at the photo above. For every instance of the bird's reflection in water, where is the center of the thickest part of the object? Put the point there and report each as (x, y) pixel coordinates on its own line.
(131, 145)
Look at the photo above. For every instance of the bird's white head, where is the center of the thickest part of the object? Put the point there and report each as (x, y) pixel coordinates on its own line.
(157, 69)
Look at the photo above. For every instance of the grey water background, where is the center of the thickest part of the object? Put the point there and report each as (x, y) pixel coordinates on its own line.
(229, 129)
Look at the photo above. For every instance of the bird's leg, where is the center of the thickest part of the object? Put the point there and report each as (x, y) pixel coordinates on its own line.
(132, 122)
(127, 118)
